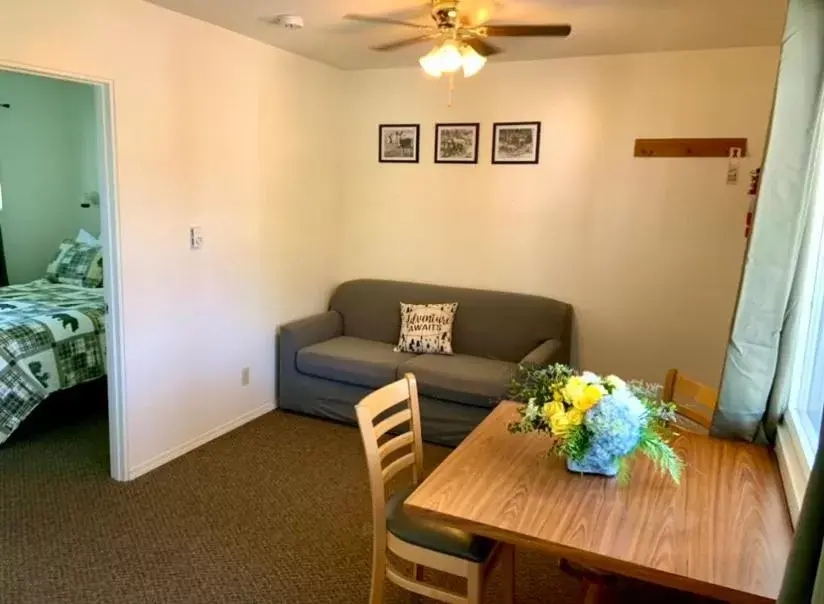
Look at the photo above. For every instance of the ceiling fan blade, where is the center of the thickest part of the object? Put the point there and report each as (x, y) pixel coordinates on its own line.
(557, 30)
(410, 14)
(483, 48)
(401, 43)
(385, 21)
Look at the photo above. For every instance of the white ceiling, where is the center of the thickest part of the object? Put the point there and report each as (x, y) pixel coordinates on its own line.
(599, 26)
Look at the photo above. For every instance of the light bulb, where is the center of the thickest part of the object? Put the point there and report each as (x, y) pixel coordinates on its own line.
(472, 61)
(429, 63)
(449, 57)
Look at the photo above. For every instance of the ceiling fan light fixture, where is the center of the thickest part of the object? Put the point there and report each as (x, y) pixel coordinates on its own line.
(472, 61)
(449, 57)
(430, 64)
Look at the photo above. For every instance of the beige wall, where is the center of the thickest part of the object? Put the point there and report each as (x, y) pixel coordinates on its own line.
(647, 251)
(215, 130)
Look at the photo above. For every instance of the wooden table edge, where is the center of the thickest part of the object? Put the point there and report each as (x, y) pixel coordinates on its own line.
(598, 561)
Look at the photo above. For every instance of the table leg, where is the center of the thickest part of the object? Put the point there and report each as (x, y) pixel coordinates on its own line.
(593, 592)
(508, 573)
(593, 583)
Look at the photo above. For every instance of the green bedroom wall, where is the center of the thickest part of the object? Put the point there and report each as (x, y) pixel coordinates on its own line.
(48, 162)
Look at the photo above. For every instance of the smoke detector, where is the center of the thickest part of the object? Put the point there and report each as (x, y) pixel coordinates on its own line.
(292, 22)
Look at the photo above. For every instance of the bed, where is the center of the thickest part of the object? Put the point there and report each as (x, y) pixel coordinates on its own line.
(52, 337)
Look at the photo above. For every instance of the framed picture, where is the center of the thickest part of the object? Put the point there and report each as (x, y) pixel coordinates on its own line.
(516, 142)
(456, 143)
(399, 143)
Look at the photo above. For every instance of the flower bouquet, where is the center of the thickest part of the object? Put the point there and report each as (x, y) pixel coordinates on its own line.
(599, 423)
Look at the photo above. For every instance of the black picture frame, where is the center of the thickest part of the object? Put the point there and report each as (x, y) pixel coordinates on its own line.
(384, 158)
(476, 126)
(534, 158)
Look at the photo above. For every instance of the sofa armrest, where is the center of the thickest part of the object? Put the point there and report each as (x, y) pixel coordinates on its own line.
(300, 334)
(311, 330)
(546, 353)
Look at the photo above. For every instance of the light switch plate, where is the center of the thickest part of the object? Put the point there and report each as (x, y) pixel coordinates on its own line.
(196, 237)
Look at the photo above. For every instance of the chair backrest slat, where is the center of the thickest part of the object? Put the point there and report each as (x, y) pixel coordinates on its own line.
(396, 466)
(393, 444)
(386, 397)
(393, 421)
(693, 400)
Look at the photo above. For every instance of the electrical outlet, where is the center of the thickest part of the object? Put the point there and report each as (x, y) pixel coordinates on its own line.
(244, 376)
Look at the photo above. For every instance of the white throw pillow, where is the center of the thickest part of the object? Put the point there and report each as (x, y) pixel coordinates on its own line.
(86, 237)
(426, 328)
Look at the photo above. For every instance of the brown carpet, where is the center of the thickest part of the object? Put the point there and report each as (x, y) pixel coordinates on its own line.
(276, 511)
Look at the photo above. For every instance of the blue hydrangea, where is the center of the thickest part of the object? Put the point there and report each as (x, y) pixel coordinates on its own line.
(615, 423)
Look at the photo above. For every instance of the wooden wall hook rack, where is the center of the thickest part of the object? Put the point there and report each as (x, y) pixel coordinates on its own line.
(688, 147)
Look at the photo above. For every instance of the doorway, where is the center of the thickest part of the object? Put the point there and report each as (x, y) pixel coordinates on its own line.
(84, 263)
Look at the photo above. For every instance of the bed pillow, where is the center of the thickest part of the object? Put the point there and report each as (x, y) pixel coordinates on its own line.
(84, 236)
(426, 328)
(77, 264)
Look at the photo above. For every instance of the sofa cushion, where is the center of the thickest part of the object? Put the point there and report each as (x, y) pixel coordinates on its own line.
(460, 378)
(352, 361)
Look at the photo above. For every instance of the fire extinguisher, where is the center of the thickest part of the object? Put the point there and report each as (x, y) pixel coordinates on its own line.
(752, 192)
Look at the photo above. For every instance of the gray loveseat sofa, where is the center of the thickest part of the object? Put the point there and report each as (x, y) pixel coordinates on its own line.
(328, 362)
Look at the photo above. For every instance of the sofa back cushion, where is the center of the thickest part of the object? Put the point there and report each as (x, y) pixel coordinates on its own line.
(490, 324)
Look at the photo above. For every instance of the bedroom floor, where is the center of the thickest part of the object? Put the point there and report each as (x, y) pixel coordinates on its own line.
(276, 511)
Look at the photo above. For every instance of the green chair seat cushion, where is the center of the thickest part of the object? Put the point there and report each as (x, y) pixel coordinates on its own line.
(435, 537)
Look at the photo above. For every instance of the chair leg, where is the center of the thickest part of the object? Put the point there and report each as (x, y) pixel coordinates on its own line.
(508, 573)
(475, 584)
(378, 574)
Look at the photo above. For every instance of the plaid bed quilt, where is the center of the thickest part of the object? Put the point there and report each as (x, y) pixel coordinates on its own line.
(52, 336)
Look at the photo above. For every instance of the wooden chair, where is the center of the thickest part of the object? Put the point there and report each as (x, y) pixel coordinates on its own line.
(695, 402)
(422, 543)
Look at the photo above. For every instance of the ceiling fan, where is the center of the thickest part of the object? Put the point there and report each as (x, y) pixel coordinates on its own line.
(461, 31)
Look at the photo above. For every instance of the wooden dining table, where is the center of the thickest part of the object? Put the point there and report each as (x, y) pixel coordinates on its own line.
(723, 532)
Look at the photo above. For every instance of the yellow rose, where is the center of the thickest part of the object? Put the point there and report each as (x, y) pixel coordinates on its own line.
(575, 416)
(557, 396)
(559, 423)
(553, 408)
(589, 397)
(573, 390)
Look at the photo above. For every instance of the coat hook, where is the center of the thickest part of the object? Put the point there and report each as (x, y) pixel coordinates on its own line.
(5, 105)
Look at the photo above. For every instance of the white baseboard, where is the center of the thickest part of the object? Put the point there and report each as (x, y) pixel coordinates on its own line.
(194, 443)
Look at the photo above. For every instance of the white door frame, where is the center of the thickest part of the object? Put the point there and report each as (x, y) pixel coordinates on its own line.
(110, 238)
